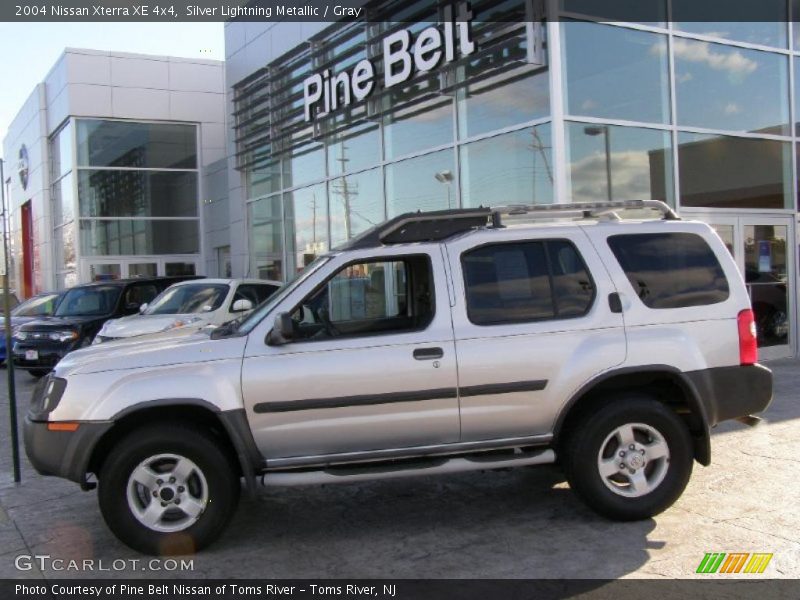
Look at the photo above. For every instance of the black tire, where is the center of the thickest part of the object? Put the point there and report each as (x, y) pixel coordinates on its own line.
(581, 456)
(216, 466)
(38, 373)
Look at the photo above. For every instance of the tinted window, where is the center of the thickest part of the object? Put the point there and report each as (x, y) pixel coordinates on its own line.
(670, 270)
(37, 306)
(530, 281)
(140, 293)
(254, 292)
(92, 301)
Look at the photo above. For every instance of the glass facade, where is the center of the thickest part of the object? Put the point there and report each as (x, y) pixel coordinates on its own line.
(667, 105)
(454, 136)
(122, 190)
(137, 188)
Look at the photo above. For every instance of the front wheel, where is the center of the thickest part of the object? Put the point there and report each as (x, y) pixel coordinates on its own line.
(168, 489)
(630, 459)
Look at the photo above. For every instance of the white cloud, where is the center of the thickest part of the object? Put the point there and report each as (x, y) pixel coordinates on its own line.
(630, 176)
(588, 104)
(684, 77)
(731, 108)
(734, 63)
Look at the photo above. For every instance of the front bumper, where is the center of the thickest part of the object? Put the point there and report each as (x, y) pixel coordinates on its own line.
(49, 354)
(732, 392)
(62, 453)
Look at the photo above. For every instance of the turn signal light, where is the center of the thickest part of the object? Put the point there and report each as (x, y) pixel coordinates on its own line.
(748, 340)
(62, 426)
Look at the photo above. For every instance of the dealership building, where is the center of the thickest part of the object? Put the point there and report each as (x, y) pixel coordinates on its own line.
(310, 133)
(116, 167)
(338, 127)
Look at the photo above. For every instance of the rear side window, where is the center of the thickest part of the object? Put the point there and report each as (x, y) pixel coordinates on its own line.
(671, 270)
(527, 281)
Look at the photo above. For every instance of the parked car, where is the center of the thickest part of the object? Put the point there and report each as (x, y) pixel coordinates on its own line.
(35, 307)
(471, 339)
(40, 344)
(191, 304)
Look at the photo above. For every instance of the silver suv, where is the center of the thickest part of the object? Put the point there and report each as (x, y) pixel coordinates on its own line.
(460, 340)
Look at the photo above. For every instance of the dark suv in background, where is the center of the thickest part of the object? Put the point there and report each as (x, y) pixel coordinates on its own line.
(40, 344)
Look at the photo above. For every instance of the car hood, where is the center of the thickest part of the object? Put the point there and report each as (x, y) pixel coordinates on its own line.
(143, 324)
(17, 321)
(150, 352)
(50, 323)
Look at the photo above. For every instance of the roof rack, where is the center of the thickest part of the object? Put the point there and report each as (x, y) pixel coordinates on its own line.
(438, 225)
(587, 209)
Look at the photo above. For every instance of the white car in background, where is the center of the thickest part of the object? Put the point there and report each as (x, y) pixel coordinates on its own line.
(191, 305)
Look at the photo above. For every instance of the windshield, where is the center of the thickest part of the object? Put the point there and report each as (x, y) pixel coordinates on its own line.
(38, 306)
(189, 298)
(263, 310)
(93, 301)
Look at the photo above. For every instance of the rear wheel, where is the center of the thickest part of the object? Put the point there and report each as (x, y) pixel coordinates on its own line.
(630, 459)
(168, 489)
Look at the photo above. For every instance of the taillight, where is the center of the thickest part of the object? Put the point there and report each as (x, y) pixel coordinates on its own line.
(748, 342)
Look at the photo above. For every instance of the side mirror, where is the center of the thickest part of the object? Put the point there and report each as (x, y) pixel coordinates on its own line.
(143, 307)
(242, 305)
(282, 331)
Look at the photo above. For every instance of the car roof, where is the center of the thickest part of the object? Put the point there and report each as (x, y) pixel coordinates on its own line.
(222, 281)
(129, 280)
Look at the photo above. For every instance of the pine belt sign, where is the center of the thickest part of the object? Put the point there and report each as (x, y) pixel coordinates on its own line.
(403, 56)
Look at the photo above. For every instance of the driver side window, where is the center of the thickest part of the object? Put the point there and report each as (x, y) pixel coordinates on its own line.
(369, 298)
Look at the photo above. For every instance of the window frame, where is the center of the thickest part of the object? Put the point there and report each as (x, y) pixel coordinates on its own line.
(553, 299)
(373, 259)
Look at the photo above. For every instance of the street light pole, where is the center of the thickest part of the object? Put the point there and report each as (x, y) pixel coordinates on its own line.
(12, 391)
(606, 133)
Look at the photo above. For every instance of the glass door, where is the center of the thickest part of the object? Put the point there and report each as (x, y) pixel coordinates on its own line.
(767, 269)
(763, 252)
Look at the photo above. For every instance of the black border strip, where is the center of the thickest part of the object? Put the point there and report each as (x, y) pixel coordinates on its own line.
(413, 396)
(503, 388)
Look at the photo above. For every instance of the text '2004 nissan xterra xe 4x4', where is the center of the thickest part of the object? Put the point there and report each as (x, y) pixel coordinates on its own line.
(470, 339)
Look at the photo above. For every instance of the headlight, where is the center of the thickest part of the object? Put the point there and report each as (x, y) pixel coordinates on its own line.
(63, 336)
(21, 335)
(183, 322)
(46, 396)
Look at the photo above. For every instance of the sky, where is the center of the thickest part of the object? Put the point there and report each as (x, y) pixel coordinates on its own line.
(31, 49)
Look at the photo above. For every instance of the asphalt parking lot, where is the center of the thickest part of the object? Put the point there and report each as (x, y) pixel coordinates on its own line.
(517, 524)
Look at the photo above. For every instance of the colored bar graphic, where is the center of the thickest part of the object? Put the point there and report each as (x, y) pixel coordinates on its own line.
(734, 562)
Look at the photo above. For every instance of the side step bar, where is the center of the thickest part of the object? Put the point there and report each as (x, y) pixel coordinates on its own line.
(351, 474)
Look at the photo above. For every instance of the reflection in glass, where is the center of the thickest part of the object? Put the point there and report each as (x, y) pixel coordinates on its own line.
(608, 162)
(303, 166)
(104, 272)
(514, 168)
(355, 151)
(65, 247)
(306, 215)
(137, 193)
(111, 237)
(265, 229)
(356, 204)
(728, 172)
(762, 22)
(421, 183)
(650, 12)
(502, 100)
(63, 200)
(721, 87)
(766, 277)
(126, 144)
(602, 62)
(264, 180)
(725, 232)
(179, 269)
(61, 149)
(424, 125)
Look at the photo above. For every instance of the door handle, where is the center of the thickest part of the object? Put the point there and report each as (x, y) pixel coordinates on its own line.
(614, 302)
(428, 353)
